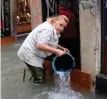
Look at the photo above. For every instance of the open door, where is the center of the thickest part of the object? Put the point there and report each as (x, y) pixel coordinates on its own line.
(71, 36)
(104, 37)
(5, 18)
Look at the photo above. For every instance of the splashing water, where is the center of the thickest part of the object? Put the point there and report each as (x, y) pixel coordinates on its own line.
(62, 89)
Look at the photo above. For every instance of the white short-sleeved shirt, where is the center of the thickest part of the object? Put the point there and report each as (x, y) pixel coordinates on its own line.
(44, 33)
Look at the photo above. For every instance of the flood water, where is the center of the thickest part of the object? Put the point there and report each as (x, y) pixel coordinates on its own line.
(13, 87)
(62, 89)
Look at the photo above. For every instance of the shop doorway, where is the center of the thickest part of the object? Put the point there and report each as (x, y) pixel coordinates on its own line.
(104, 37)
(5, 19)
(71, 36)
(23, 17)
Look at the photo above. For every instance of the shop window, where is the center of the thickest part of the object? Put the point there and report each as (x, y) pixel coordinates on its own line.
(23, 16)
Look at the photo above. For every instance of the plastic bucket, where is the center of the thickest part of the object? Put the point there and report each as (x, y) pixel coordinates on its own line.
(63, 64)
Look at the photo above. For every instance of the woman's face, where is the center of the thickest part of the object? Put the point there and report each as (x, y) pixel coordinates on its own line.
(60, 25)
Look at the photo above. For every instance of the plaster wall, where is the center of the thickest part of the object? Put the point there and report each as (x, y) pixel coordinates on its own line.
(90, 36)
(36, 13)
(13, 14)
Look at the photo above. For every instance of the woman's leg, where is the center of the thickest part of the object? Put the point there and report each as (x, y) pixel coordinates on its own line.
(38, 73)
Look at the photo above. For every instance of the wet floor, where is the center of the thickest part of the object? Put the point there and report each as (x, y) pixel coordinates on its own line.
(12, 85)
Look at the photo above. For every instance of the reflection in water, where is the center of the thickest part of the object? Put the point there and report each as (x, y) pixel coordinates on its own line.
(61, 90)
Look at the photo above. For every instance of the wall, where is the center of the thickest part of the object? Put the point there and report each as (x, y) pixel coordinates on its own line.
(36, 13)
(13, 17)
(90, 36)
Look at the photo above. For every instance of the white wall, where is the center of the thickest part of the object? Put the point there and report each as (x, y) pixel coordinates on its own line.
(90, 37)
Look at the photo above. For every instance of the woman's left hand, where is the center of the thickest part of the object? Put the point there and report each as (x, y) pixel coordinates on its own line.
(63, 48)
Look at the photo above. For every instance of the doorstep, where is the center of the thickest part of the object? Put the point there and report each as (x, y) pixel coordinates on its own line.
(7, 40)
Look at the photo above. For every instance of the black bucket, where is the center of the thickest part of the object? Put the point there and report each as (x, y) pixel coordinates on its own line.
(63, 63)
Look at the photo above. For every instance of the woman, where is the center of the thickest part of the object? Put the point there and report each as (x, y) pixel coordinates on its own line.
(42, 42)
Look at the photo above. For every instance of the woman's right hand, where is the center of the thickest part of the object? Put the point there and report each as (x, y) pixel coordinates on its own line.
(60, 52)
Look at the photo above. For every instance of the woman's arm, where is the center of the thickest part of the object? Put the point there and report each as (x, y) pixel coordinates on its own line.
(63, 48)
(47, 48)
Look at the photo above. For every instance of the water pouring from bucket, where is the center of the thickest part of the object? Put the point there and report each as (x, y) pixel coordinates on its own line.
(62, 67)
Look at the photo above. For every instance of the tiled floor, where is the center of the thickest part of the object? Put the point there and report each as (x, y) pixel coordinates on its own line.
(12, 85)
